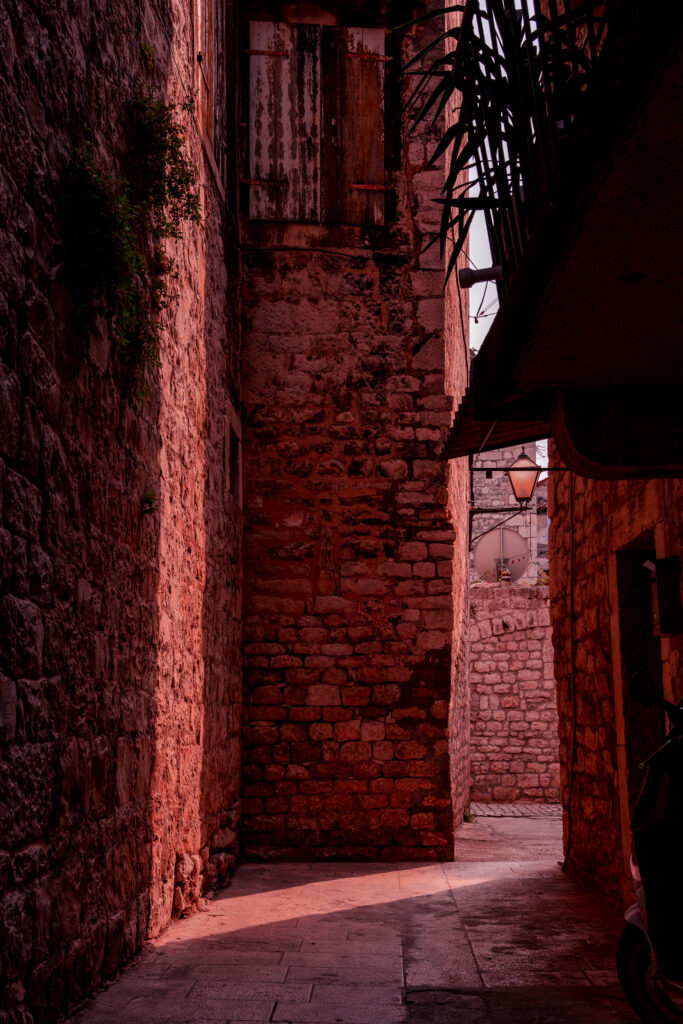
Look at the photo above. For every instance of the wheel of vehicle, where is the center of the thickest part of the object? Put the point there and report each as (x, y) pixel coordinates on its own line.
(642, 982)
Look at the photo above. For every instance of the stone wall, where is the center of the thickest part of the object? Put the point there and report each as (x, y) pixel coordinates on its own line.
(119, 625)
(456, 333)
(514, 728)
(350, 547)
(592, 523)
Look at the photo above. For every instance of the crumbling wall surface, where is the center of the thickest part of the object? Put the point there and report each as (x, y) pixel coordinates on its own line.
(590, 522)
(349, 536)
(119, 665)
(514, 730)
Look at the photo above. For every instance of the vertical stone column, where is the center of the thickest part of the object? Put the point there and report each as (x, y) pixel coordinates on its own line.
(350, 637)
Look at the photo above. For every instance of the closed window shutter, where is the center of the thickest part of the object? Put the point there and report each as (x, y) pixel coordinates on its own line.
(211, 107)
(219, 90)
(285, 118)
(206, 59)
(361, 136)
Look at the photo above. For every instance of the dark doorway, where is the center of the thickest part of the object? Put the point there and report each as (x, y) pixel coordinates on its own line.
(640, 652)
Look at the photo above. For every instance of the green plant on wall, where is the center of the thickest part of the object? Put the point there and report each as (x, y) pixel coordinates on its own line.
(163, 178)
(103, 248)
(116, 227)
(149, 502)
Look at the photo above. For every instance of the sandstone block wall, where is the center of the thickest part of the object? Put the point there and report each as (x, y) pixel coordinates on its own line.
(351, 555)
(119, 629)
(596, 720)
(514, 727)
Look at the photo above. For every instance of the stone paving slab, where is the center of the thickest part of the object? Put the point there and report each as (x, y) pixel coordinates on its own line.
(500, 936)
(338, 974)
(339, 1013)
(516, 810)
(357, 993)
(531, 1005)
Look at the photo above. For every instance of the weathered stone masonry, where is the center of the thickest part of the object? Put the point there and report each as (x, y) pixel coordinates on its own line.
(350, 552)
(120, 688)
(514, 738)
(120, 625)
(596, 722)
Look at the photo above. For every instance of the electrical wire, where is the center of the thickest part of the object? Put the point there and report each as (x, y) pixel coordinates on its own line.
(496, 526)
(478, 313)
(492, 303)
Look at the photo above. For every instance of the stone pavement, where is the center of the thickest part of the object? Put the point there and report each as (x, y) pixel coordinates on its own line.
(516, 810)
(501, 936)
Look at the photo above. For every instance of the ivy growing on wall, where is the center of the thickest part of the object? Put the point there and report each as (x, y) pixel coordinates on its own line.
(116, 227)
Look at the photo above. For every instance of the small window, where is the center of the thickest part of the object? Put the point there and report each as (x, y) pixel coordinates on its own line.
(316, 123)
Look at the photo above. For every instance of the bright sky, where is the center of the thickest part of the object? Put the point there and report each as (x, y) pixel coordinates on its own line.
(480, 256)
(486, 299)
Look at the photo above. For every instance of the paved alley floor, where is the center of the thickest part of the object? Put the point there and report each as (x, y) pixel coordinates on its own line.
(501, 936)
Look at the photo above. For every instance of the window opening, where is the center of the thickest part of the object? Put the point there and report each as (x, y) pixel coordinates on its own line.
(316, 123)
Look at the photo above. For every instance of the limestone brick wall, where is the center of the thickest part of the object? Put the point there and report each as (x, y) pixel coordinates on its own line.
(514, 727)
(591, 522)
(119, 628)
(350, 547)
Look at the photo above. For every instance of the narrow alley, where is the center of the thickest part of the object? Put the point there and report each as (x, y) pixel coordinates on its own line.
(497, 937)
(341, 511)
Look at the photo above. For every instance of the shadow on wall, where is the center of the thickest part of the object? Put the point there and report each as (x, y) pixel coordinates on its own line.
(108, 663)
(80, 560)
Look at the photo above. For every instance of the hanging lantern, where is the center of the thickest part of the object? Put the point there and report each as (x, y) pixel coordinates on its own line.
(523, 475)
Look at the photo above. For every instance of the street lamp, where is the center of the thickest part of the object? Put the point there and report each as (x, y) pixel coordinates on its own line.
(523, 475)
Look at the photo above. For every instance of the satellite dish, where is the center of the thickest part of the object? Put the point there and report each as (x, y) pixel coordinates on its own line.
(502, 554)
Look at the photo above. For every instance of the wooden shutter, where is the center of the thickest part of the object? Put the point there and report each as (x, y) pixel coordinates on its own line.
(220, 91)
(284, 130)
(206, 61)
(361, 136)
(212, 93)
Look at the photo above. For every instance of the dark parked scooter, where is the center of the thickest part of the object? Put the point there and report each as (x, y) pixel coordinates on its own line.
(650, 952)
